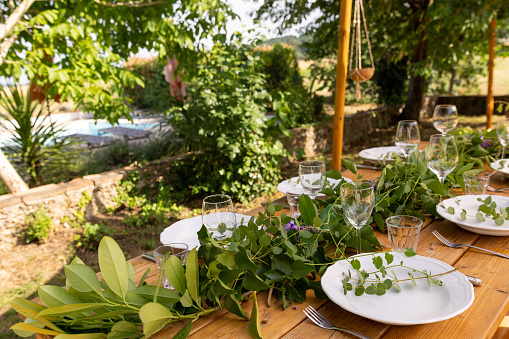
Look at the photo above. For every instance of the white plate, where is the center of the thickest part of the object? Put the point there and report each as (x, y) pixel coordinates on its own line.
(294, 182)
(414, 304)
(501, 168)
(470, 204)
(379, 154)
(185, 231)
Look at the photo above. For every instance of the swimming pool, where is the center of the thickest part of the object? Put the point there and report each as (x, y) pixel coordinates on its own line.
(90, 127)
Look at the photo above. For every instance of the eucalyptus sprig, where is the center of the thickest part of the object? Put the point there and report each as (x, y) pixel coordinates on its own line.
(384, 278)
(486, 210)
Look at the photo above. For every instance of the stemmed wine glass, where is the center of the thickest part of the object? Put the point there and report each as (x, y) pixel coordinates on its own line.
(407, 137)
(445, 118)
(312, 176)
(441, 156)
(503, 134)
(218, 215)
(357, 201)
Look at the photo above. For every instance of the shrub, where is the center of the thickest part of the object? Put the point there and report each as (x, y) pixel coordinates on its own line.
(39, 226)
(34, 145)
(284, 81)
(91, 235)
(224, 121)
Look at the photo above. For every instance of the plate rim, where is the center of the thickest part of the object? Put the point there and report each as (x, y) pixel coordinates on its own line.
(503, 170)
(370, 158)
(183, 221)
(469, 298)
(486, 230)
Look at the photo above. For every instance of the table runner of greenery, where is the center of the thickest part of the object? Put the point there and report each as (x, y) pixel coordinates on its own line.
(275, 253)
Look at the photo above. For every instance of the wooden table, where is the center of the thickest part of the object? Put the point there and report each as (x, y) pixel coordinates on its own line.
(481, 320)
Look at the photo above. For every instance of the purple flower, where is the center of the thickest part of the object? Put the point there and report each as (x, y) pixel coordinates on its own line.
(291, 226)
(486, 144)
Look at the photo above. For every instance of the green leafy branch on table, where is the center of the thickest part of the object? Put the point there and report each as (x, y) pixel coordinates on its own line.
(488, 209)
(383, 279)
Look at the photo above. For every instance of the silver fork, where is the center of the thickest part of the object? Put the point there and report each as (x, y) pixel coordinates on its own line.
(323, 322)
(492, 189)
(455, 245)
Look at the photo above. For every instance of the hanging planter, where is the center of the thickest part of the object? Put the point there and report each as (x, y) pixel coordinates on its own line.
(359, 74)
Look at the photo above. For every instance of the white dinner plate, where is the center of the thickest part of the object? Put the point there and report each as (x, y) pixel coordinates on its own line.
(414, 305)
(294, 182)
(501, 165)
(185, 231)
(470, 204)
(380, 154)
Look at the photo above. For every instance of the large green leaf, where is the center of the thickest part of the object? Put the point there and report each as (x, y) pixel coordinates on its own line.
(252, 282)
(307, 209)
(300, 269)
(186, 300)
(154, 317)
(184, 331)
(175, 273)
(31, 310)
(27, 328)
(192, 275)
(69, 310)
(82, 278)
(123, 330)
(164, 296)
(244, 261)
(113, 266)
(31, 322)
(54, 296)
(254, 321)
(232, 304)
(350, 165)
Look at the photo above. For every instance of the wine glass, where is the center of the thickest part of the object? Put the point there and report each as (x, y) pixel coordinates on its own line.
(312, 176)
(218, 215)
(407, 137)
(503, 134)
(441, 156)
(445, 118)
(357, 201)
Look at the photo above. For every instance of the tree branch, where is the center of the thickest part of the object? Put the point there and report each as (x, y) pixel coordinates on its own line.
(14, 19)
(130, 3)
(5, 45)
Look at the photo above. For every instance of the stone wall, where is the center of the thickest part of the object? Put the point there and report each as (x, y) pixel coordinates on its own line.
(469, 105)
(317, 139)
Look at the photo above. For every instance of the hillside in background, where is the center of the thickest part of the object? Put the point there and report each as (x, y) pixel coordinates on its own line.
(296, 42)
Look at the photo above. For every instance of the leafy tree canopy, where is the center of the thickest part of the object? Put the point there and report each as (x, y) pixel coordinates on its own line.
(77, 48)
(431, 35)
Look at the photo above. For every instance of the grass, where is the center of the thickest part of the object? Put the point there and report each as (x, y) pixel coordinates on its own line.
(500, 79)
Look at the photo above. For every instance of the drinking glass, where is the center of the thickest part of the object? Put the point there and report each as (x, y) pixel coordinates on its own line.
(445, 118)
(293, 197)
(357, 200)
(312, 176)
(403, 231)
(407, 137)
(441, 156)
(503, 134)
(218, 215)
(476, 183)
(163, 252)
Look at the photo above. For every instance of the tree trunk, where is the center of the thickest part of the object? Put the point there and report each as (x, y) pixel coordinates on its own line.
(451, 82)
(9, 177)
(417, 84)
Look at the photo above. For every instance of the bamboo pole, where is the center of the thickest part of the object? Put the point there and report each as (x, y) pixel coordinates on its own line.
(490, 104)
(341, 74)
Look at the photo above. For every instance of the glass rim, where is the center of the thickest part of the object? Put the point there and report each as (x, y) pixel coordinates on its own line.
(371, 185)
(183, 249)
(317, 163)
(387, 221)
(226, 196)
(412, 121)
(446, 105)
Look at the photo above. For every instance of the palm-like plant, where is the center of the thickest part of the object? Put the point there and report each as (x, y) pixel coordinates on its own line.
(34, 144)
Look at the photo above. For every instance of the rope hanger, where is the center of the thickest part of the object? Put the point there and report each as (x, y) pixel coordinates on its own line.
(359, 74)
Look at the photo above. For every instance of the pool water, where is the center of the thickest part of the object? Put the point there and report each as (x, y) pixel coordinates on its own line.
(92, 128)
